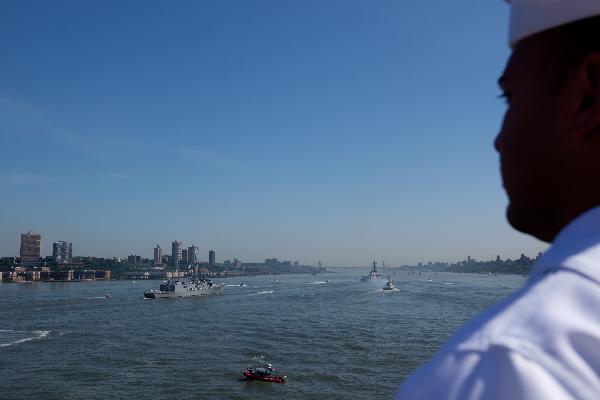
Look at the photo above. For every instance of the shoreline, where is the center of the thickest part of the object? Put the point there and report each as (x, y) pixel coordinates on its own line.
(151, 278)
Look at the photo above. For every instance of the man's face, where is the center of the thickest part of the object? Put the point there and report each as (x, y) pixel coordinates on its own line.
(530, 141)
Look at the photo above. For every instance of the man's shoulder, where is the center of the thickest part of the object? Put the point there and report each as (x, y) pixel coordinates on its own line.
(534, 316)
(541, 325)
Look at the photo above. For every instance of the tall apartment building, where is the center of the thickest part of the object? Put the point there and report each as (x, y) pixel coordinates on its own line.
(158, 256)
(184, 256)
(193, 254)
(211, 257)
(62, 252)
(176, 252)
(31, 248)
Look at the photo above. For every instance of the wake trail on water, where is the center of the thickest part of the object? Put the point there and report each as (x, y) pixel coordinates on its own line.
(265, 292)
(8, 332)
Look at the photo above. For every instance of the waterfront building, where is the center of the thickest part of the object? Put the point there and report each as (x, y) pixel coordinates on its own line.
(31, 248)
(272, 262)
(237, 264)
(176, 253)
(192, 254)
(211, 257)
(184, 256)
(254, 266)
(62, 252)
(158, 256)
(133, 259)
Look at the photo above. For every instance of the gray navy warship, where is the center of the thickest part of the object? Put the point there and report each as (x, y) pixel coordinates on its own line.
(196, 286)
(373, 274)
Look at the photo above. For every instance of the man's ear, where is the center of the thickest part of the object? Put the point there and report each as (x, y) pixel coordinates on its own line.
(587, 83)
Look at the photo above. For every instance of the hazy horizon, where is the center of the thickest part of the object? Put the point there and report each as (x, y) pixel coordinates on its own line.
(203, 256)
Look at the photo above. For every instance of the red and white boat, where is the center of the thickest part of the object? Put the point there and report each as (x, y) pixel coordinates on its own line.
(263, 374)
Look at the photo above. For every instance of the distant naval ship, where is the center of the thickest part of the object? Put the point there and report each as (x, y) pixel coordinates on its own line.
(373, 274)
(197, 286)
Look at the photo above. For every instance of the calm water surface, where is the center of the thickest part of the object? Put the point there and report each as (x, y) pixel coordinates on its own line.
(336, 340)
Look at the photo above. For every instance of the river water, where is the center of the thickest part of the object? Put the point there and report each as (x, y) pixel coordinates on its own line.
(333, 336)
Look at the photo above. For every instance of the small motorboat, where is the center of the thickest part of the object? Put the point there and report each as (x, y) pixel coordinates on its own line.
(389, 285)
(263, 374)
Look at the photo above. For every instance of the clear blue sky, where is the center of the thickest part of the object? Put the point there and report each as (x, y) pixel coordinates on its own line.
(341, 131)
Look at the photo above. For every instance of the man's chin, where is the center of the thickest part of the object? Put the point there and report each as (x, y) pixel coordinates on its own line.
(513, 218)
(529, 221)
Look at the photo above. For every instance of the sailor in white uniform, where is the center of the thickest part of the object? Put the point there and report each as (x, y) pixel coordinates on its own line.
(543, 342)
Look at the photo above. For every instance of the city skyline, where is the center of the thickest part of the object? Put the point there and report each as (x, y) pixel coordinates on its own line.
(30, 251)
(340, 131)
(62, 252)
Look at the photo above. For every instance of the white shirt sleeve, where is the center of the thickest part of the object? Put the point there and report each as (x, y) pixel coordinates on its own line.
(496, 374)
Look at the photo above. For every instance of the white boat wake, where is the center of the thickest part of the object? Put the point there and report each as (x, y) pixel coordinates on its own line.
(9, 337)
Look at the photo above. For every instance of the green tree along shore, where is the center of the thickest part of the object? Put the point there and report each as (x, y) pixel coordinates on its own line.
(123, 268)
(120, 268)
(116, 267)
(6, 264)
(520, 266)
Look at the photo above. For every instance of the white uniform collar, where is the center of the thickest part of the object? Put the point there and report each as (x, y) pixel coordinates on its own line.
(576, 248)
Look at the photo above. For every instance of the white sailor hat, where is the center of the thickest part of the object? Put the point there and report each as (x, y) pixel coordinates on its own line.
(528, 17)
